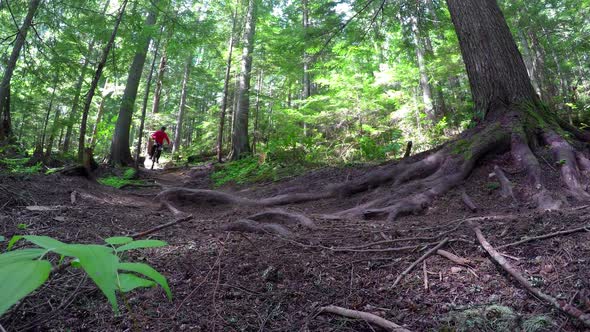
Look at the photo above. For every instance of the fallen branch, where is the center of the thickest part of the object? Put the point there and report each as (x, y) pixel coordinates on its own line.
(425, 275)
(454, 258)
(172, 208)
(283, 217)
(160, 227)
(559, 304)
(368, 317)
(546, 236)
(418, 261)
(468, 202)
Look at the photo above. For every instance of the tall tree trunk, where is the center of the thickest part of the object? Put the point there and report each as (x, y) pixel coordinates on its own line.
(5, 123)
(94, 83)
(146, 96)
(495, 68)
(256, 135)
(226, 88)
(49, 108)
(240, 144)
(105, 96)
(421, 59)
(182, 106)
(159, 79)
(306, 57)
(52, 133)
(78, 90)
(120, 153)
(529, 61)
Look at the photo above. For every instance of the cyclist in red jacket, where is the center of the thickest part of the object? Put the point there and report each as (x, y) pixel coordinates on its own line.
(159, 136)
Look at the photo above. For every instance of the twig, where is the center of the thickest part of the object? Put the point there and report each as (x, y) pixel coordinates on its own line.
(418, 261)
(454, 258)
(2, 328)
(368, 317)
(559, 304)
(546, 236)
(157, 228)
(425, 275)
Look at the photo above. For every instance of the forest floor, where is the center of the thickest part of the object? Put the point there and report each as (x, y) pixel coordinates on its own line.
(229, 281)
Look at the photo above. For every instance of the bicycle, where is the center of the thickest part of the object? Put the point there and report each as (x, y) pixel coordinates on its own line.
(156, 153)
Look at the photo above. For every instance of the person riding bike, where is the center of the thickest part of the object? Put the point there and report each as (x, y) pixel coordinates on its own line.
(159, 137)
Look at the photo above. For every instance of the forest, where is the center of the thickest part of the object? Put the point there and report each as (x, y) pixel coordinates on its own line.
(294, 165)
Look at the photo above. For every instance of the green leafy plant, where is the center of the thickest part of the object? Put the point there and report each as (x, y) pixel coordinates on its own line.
(128, 177)
(23, 271)
(492, 185)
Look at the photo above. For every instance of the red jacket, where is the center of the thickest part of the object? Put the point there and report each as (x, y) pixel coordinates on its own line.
(159, 136)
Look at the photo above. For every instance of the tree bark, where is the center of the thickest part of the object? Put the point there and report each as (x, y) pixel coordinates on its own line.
(159, 79)
(49, 108)
(306, 58)
(145, 101)
(94, 83)
(226, 88)
(495, 68)
(182, 106)
(120, 153)
(424, 80)
(78, 91)
(240, 144)
(105, 95)
(256, 134)
(5, 122)
(52, 133)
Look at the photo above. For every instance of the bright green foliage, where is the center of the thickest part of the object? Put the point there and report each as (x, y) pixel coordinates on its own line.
(24, 270)
(20, 277)
(19, 166)
(252, 170)
(128, 177)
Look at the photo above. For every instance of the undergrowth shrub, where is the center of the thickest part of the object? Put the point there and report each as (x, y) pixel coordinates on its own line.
(127, 177)
(23, 271)
(255, 169)
(20, 166)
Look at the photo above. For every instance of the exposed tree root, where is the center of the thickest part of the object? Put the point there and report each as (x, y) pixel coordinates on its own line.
(368, 317)
(251, 226)
(415, 182)
(505, 184)
(559, 304)
(283, 217)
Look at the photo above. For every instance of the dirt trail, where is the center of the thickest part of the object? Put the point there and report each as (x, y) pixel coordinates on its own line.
(236, 281)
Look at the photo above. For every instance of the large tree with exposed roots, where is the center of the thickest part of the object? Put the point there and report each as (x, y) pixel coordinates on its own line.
(513, 119)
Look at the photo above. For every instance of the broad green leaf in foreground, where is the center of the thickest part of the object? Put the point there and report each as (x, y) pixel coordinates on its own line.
(149, 272)
(19, 279)
(100, 264)
(142, 244)
(118, 240)
(20, 255)
(129, 282)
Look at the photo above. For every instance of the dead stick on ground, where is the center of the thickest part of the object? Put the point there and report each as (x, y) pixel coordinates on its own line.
(561, 305)
(454, 258)
(425, 275)
(418, 261)
(468, 201)
(368, 317)
(546, 236)
(160, 227)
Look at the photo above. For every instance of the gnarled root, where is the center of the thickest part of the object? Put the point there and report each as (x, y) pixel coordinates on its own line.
(282, 217)
(251, 226)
